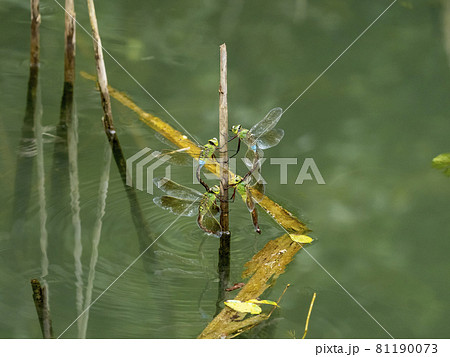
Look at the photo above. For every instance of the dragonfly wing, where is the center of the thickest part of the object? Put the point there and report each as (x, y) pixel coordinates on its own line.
(177, 157)
(207, 220)
(249, 200)
(258, 189)
(268, 123)
(176, 190)
(177, 206)
(270, 138)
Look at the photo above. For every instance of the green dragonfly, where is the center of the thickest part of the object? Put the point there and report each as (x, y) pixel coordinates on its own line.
(242, 185)
(181, 158)
(183, 201)
(206, 154)
(262, 135)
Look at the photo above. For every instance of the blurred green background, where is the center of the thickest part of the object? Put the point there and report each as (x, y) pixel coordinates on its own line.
(372, 124)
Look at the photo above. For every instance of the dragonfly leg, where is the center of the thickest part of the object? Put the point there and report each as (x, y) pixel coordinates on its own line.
(234, 193)
(234, 137)
(204, 184)
(254, 167)
(239, 146)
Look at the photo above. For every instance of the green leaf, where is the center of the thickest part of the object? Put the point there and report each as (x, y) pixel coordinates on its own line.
(300, 238)
(243, 306)
(266, 302)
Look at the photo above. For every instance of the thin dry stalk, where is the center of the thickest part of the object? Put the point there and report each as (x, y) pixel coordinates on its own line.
(101, 76)
(142, 228)
(69, 44)
(35, 24)
(224, 248)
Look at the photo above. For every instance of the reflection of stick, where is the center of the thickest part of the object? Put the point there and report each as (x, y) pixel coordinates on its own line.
(101, 205)
(41, 302)
(67, 131)
(224, 249)
(309, 314)
(66, 118)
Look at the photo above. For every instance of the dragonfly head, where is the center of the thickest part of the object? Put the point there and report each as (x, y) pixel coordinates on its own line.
(213, 141)
(236, 128)
(215, 189)
(236, 179)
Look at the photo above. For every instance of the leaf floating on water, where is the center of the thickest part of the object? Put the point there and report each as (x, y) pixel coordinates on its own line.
(243, 306)
(265, 302)
(442, 162)
(300, 238)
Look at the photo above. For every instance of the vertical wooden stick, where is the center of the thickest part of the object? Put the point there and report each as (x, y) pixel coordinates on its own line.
(224, 249)
(101, 75)
(35, 23)
(223, 141)
(24, 167)
(69, 44)
(144, 233)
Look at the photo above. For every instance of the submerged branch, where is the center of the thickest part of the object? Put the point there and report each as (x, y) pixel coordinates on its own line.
(263, 269)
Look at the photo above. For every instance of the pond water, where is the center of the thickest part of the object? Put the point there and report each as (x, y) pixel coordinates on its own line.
(372, 124)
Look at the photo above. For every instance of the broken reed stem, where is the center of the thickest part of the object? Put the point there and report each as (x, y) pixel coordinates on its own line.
(25, 154)
(66, 128)
(69, 44)
(35, 23)
(40, 299)
(101, 76)
(223, 141)
(143, 230)
(224, 248)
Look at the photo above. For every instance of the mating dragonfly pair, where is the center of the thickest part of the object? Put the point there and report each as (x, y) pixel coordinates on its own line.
(181, 200)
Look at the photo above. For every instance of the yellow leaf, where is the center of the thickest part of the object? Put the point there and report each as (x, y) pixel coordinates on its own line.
(300, 238)
(243, 306)
(266, 302)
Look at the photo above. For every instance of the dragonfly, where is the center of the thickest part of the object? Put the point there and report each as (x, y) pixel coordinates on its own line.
(206, 154)
(178, 157)
(184, 201)
(263, 135)
(242, 186)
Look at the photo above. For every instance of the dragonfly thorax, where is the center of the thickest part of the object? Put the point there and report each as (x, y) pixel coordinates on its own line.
(239, 131)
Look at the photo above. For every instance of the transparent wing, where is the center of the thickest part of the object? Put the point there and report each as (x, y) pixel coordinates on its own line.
(177, 157)
(209, 224)
(249, 200)
(257, 190)
(176, 190)
(207, 220)
(177, 206)
(270, 138)
(268, 123)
